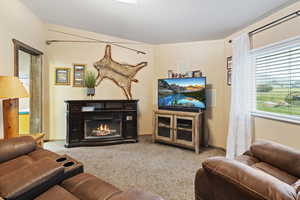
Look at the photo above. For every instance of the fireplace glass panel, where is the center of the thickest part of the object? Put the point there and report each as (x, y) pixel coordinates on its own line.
(184, 129)
(102, 128)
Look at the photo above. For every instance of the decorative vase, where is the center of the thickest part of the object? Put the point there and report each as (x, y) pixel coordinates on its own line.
(91, 91)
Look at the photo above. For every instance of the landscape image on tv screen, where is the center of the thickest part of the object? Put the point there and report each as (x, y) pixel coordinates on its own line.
(182, 92)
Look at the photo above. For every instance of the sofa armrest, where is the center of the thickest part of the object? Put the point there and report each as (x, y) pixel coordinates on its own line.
(135, 195)
(15, 147)
(31, 180)
(255, 184)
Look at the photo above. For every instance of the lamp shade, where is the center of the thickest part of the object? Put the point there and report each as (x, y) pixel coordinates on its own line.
(12, 87)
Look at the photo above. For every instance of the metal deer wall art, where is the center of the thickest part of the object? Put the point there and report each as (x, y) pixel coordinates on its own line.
(121, 74)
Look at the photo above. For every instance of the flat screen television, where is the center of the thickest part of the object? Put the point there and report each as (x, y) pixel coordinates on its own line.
(182, 94)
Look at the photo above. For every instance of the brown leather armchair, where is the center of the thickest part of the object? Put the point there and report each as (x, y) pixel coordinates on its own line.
(268, 171)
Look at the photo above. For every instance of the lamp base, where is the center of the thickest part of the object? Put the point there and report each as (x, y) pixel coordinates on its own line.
(11, 118)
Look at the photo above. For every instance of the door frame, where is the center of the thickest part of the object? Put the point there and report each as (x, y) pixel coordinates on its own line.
(18, 45)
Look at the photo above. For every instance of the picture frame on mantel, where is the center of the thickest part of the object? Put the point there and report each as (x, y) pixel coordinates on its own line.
(62, 76)
(197, 73)
(78, 75)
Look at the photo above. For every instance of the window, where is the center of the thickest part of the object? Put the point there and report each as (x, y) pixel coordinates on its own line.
(278, 80)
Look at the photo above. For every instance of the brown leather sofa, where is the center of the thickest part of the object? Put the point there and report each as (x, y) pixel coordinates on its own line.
(28, 172)
(268, 171)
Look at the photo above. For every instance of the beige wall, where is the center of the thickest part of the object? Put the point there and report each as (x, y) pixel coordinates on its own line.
(281, 132)
(16, 21)
(64, 55)
(209, 57)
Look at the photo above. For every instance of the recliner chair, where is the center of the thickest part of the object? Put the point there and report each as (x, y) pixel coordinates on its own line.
(268, 171)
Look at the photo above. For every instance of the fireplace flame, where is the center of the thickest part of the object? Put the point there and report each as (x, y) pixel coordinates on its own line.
(103, 129)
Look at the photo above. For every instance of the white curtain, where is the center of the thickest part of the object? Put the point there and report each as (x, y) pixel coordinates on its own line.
(240, 123)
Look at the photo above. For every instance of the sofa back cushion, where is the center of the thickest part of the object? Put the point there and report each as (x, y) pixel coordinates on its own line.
(31, 180)
(282, 157)
(15, 147)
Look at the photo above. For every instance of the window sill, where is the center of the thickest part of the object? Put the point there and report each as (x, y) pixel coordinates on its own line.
(276, 117)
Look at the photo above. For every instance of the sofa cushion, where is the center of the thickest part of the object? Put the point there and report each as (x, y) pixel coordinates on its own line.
(15, 147)
(30, 180)
(57, 192)
(273, 171)
(247, 160)
(14, 164)
(39, 154)
(282, 157)
(88, 187)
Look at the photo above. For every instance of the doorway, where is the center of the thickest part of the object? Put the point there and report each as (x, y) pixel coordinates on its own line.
(28, 67)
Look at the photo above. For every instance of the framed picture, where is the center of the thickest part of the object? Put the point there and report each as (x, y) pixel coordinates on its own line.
(229, 63)
(197, 73)
(78, 75)
(170, 73)
(62, 76)
(188, 74)
(229, 75)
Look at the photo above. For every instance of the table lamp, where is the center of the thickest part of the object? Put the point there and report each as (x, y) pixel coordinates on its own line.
(11, 88)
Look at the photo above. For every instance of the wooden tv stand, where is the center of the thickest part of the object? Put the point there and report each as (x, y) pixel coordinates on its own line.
(182, 129)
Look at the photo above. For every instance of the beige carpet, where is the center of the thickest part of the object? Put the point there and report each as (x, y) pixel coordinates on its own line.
(161, 169)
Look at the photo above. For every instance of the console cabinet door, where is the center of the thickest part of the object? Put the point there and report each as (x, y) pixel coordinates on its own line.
(164, 127)
(184, 131)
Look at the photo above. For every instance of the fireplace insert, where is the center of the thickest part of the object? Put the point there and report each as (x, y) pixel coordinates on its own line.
(105, 125)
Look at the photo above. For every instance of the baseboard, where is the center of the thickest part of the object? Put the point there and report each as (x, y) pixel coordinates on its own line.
(147, 134)
(220, 148)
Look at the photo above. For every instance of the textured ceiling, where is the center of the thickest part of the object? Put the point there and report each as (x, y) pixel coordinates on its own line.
(157, 21)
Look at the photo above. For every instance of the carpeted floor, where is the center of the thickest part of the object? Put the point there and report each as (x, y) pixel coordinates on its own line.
(161, 169)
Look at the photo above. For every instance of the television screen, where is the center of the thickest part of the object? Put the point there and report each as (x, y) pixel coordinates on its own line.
(182, 93)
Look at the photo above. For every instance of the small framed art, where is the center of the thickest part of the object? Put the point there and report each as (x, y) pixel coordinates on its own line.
(229, 63)
(78, 75)
(197, 73)
(170, 73)
(62, 76)
(229, 77)
(229, 70)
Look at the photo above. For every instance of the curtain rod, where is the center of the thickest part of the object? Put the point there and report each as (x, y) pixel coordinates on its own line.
(274, 23)
(92, 40)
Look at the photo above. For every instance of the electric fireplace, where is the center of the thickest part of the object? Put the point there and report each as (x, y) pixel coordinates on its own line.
(101, 122)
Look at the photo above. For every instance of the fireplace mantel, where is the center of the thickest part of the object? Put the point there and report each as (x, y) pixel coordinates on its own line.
(101, 122)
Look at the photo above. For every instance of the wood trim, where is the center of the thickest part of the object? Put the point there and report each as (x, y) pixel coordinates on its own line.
(18, 45)
(24, 47)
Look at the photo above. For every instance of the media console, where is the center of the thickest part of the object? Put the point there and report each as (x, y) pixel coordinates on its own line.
(184, 129)
(101, 122)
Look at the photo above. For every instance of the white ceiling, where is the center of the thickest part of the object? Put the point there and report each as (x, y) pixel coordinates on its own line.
(157, 21)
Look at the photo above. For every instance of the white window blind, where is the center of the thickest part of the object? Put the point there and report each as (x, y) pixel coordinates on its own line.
(278, 80)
